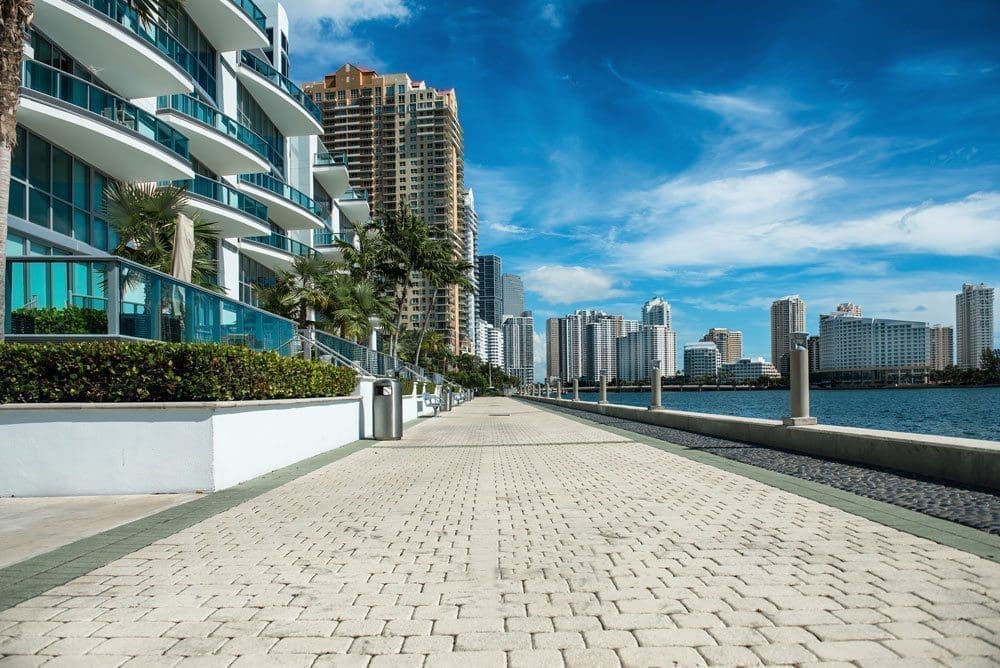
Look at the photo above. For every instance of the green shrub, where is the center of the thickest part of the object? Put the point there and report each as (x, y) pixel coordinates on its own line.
(407, 386)
(99, 371)
(430, 387)
(50, 320)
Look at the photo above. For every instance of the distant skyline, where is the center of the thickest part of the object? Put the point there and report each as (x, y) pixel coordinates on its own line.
(718, 154)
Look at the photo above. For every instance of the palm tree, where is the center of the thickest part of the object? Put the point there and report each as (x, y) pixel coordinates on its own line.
(15, 18)
(355, 304)
(144, 216)
(405, 239)
(442, 270)
(310, 286)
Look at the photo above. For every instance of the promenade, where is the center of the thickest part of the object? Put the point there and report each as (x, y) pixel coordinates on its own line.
(503, 534)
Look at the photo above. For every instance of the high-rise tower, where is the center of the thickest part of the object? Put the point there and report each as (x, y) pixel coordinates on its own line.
(973, 324)
(489, 298)
(513, 294)
(405, 147)
(656, 312)
(788, 315)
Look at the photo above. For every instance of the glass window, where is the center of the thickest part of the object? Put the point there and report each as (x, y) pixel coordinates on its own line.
(19, 157)
(16, 245)
(100, 235)
(62, 173)
(81, 185)
(62, 218)
(81, 225)
(16, 204)
(38, 163)
(38, 207)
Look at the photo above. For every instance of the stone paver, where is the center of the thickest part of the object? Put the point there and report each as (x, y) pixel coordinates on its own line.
(500, 534)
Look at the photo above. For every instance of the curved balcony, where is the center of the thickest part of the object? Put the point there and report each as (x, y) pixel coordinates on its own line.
(135, 59)
(222, 143)
(291, 110)
(289, 208)
(354, 205)
(326, 244)
(233, 213)
(110, 133)
(275, 251)
(230, 24)
(330, 169)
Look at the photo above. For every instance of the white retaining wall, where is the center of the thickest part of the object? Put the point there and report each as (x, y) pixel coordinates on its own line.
(143, 448)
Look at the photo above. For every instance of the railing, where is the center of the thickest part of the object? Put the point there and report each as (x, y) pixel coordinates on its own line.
(354, 194)
(330, 159)
(55, 83)
(253, 12)
(283, 243)
(118, 298)
(206, 115)
(223, 194)
(148, 31)
(281, 81)
(374, 363)
(285, 191)
(330, 238)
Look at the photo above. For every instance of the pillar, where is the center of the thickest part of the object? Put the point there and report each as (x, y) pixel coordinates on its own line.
(655, 388)
(798, 379)
(576, 389)
(602, 397)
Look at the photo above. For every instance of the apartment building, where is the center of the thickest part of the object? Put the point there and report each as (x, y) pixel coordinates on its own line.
(519, 347)
(489, 343)
(639, 350)
(553, 361)
(489, 295)
(729, 342)
(404, 143)
(876, 349)
(656, 312)
(204, 103)
(942, 346)
(512, 294)
(973, 324)
(701, 361)
(747, 370)
(468, 312)
(788, 316)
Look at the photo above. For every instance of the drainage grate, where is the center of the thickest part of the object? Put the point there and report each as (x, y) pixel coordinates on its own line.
(498, 415)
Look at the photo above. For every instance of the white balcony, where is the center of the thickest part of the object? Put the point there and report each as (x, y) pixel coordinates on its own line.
(275, 251)
(286, 206)
(226, 146)
(291, 110)
(136, 60)
(111, 134)
(354, 205)
(230, 24)
(330, 169)
(231, 212)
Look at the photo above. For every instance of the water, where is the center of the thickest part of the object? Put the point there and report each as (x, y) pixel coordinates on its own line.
(965, 412)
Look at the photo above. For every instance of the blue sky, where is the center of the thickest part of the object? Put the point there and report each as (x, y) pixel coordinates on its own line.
(718, 154)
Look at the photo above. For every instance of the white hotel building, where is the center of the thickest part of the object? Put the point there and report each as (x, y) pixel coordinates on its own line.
(205, 103)
(873, 348)
(638, 350)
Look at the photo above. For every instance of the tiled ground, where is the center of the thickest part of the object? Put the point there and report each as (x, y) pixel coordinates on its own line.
(499, 534)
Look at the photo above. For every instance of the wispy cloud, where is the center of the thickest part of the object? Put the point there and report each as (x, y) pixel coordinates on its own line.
(559, 284)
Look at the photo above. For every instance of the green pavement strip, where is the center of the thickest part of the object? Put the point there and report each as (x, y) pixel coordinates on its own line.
(32, 577)
(938, 530)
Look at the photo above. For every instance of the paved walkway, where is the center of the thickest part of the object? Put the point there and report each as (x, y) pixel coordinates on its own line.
(500, 534)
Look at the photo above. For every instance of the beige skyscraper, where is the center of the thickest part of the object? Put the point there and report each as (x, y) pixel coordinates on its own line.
(973, 324)
(942, 346)
(729, 342)
(788, 315)
(552, 363)
(404, 147)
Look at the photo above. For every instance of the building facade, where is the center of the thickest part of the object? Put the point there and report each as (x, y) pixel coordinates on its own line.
(468, 315)
(553, 362)
(747, 370)
(489, 298)
(973, 324)
(701, 361)
(405, 142)
(729, 342)
(942, 347)
(788, 316)
(639, 350)
(489, 344)
(813, 346)
(519, 347)
(877, 349)
(656, 312)
(203, 102)
(512, 291)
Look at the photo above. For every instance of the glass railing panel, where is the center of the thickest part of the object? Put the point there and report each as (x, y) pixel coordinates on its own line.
(264, 69)
(268, 182)
(207, 115)
(355, 194)
(152, 33)
(326, 159)
(55, 297)
(331, 238)
(223, 194)
(49, 81)
(251, 10)
(283, 243)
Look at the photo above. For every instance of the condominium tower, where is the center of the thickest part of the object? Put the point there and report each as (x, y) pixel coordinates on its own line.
(202, 101)
(729, 343)
(519, 347)
(656, 312)
(404, 143)
(512, 291)
(489, 298)
(552, 359)
(468, 312)
(973, 324)
(876, 348)
(788, 316)
(942, 346)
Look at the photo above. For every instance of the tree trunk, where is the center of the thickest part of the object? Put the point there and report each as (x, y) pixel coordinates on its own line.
(423, 327)
(5, 150)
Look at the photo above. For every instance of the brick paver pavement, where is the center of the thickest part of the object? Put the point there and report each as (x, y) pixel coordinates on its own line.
(499, 534)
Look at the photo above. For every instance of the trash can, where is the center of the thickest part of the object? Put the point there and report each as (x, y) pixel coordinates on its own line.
(387, 410)
(445, 400)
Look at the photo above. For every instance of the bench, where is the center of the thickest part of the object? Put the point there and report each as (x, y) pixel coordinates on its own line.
(432, 401)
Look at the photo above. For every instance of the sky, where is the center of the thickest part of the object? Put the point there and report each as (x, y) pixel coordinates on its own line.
(718, 154)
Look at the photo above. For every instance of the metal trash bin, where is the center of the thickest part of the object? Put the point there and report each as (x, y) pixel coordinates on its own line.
(387, 410)
(445, 400)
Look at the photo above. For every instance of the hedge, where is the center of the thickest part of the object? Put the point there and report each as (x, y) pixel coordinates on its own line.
(98, 371)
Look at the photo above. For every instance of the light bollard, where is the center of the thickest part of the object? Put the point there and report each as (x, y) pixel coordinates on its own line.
(655, 389)
(602, 397)
(576, 389)
(798, 380)
(558, 389)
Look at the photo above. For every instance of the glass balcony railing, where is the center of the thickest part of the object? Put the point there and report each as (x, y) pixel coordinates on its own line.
(150, 32)
(326, 238)
(206, 115)
(223, 194)
(330, 159)
(253, 12)
(281, 81)
(111, 297)
(375, 363)
(283, 243)
(55, 83)
(282, 189)
(355, 195)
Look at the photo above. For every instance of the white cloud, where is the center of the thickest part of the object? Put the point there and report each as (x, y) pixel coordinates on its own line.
(550, 15)
(342, 14)
(559, 284)
(538, 341)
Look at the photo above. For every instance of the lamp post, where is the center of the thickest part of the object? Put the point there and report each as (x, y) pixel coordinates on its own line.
(798, 381)
(655, 389)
